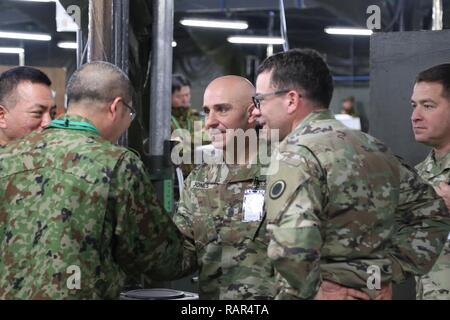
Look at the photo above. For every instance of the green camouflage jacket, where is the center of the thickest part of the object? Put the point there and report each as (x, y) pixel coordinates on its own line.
(436, 283)
(230, 254)
(190, 120)
(334, 208)
(73, 206)
(184, 118)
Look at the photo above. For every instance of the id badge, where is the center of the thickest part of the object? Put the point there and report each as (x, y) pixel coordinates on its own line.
(253, 205)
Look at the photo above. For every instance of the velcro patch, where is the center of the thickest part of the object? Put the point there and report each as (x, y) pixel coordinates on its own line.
(277, 189)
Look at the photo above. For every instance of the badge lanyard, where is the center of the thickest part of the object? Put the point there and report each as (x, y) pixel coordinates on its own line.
(73, 125)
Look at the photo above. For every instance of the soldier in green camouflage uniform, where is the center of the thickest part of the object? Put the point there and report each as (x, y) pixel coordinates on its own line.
(430, 121)
(78, 214)
(26, 103)
(227, 248)
(341, 205)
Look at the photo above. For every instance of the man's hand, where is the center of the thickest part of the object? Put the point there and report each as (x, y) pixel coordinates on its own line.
(332, 291)
(443, 190)
(385, 293)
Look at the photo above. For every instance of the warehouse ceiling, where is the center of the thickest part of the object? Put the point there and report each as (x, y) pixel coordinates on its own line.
(306, 20)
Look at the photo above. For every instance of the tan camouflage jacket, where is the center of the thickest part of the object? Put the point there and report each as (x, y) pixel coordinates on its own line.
(75, 207)
(341, 207)
(436, 284)
(230, 254)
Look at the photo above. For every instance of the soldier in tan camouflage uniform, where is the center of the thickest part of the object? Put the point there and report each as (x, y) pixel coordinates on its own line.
(431, 125)
(26, 102)
(78, 214)
(341, 207)
(227, 245)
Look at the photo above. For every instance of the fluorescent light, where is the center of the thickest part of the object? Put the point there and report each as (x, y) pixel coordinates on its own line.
(11, 50)
(67, 45)
(256, 40)
(348, 31)
(174, 44)
(25, 36)
(221, 24)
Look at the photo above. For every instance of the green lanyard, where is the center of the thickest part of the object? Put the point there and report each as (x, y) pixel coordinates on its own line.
(73, 125)
(177, 124)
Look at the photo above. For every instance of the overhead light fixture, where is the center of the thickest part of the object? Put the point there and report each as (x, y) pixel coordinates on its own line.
(67, 45)
(348, 31)
(174, 44)
(220, 24)
(25, 36)
(255, 40)
(12, 50)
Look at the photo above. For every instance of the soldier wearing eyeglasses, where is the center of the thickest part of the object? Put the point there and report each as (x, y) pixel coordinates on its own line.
(79, 215)
(342, 210)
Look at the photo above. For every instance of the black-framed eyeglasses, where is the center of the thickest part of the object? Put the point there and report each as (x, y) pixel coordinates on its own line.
(132, 110)
(259, 97)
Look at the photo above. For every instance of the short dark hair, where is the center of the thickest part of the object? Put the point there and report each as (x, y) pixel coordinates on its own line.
(301, 69)
(349, 98)
(10, 79)
(439, 73)
(98, 81)
(179, 81)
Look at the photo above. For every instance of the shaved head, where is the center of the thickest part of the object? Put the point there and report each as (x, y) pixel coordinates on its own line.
(227, 104)
(98, 82)
(231, 89)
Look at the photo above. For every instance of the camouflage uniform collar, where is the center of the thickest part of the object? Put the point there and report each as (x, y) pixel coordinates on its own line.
(75, 117)
(323, 114)
(73, 122)
(432, 167)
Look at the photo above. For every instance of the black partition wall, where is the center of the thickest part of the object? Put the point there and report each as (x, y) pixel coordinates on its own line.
(395, 60)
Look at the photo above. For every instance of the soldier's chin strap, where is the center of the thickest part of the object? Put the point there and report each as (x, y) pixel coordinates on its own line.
(72, 125)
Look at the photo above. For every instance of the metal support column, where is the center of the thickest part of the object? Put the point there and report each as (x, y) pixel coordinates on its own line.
(100, 30)
(160, 102)
(121, 13)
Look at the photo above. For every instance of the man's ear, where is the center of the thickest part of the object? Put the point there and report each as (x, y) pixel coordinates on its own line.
(113, 108)
(3, 112)
(251, 118)
(294, 101)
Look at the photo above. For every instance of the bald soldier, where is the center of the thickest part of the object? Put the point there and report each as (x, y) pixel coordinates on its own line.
(77, 213)
(220, 209)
